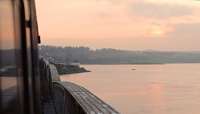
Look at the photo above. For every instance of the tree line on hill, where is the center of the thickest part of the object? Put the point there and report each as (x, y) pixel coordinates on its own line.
(85, 55)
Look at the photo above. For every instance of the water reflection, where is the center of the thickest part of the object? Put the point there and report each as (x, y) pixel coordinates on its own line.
(150, 89)
(156, 97)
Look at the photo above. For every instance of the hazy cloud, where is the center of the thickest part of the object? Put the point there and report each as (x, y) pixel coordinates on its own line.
(131, 24)
(159, 10)
(184, 37)
(190, 31)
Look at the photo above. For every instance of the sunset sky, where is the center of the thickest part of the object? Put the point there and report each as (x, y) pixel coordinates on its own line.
(122, 24)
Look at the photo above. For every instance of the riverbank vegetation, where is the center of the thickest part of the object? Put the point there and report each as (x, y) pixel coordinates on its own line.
(85, 55)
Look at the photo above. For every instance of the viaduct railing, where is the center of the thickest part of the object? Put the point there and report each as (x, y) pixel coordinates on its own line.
(68, 98)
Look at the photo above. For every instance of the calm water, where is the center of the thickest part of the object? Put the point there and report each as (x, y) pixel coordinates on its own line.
(150, 89)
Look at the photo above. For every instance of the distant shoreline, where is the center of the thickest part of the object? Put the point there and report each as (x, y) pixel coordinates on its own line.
(85, 55)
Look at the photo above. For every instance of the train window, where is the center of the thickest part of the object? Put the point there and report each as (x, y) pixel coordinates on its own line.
(9, 54)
